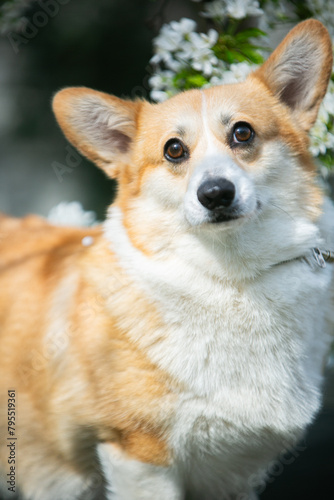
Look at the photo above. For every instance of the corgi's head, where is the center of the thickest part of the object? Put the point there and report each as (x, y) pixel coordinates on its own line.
(214, 159)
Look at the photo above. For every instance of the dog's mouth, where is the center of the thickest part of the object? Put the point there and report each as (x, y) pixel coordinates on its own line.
(223, 216)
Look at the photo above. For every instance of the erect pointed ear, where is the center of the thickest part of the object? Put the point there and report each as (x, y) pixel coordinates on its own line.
(299, 69)
(100, 126)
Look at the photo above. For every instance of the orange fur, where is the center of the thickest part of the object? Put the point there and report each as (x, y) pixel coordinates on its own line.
(120, 390)
(75, 327)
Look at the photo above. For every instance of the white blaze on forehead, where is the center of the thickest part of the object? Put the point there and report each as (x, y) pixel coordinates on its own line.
(208, 136)
(216, 162)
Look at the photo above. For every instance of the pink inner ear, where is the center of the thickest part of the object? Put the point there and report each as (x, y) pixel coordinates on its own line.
(293, 93)
(295, 72)
(299, 69)
(116, 139)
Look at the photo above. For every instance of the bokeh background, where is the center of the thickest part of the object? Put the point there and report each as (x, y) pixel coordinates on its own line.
(101, 44)
(107, 45)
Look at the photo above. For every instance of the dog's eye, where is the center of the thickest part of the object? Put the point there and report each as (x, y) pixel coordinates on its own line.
(242, 132)
(175, 150)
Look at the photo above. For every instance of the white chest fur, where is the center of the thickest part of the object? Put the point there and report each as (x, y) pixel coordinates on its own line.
(248, 356)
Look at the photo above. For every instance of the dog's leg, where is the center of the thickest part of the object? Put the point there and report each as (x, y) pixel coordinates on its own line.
(128, 479)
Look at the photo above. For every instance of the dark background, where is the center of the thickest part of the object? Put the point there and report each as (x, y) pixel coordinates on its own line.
(102, 44)
(106, 45)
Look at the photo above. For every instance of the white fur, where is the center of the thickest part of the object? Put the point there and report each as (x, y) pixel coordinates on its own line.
(132, 480)
(245, 315)
(210, 143)
(244, 334)
(241, 335)
(218, 165)
(56, 481)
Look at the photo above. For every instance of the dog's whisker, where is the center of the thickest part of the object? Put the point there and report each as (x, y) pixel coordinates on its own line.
(282, 210)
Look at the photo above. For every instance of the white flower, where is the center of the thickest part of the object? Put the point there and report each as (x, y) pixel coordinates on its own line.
(159, 95)
(237, 73)
(241, 70)
(178, 46)
(216, 80)
(162, 85)
(161, 80)
(172, 37)
(321, 134)
(215, 10)
(320, 139)
(238, 9)
(198, 51)
(168, 39)
(171, 41)
(185, 26)
(71, 214)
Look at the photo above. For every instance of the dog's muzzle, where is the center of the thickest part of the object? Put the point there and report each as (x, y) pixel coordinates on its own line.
(218, 191)
(217, 195)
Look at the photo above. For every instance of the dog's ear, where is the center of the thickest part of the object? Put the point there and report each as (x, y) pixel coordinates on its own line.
(299, 69)
(100, 126)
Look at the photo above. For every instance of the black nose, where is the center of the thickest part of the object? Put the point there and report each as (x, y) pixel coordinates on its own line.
(215, 193)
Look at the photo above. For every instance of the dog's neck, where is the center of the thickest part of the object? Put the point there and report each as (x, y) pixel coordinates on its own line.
(230, 254)
(194, 283)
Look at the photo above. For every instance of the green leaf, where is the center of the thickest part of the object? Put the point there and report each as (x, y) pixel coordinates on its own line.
(229, 57)
(237, 48)
(196, 81)
(249, 33)
(327, 159)
(238, 56)
(188, 78)
(253, 56)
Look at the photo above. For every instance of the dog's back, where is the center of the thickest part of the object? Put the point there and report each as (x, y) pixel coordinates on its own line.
(63, 353)
(38, 275)
(181, 347)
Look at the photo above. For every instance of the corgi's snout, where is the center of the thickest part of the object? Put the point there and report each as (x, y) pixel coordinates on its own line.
(216, 193)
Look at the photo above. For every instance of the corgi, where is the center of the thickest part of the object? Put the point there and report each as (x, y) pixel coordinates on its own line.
(177, 348)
